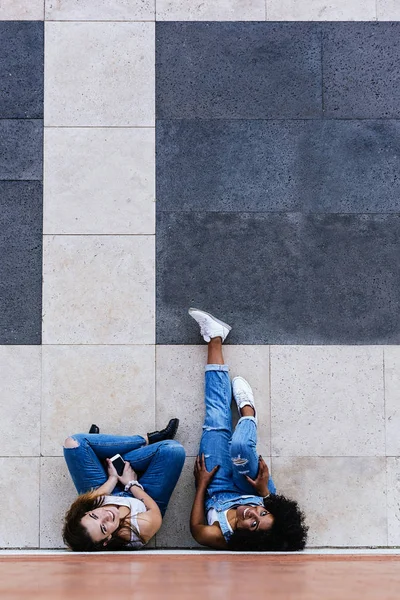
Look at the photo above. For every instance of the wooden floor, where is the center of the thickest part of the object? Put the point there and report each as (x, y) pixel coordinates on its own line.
(137, 576)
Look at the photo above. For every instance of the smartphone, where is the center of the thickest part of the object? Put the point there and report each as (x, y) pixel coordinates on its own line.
(118, 463)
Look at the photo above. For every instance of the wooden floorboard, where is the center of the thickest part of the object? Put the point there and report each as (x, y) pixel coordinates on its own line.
(226, 577)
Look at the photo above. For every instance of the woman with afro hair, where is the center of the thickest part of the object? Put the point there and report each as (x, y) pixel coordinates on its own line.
(234, 493)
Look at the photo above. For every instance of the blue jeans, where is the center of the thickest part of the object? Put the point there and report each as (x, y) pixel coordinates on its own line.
(158, 465)
(235, 452)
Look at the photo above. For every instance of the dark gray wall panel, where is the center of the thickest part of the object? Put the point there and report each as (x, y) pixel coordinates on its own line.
(278, 165)
(361, 65)
(21, 262)
(21, 149)
(238, 70)
(21, 69)
(280, 278)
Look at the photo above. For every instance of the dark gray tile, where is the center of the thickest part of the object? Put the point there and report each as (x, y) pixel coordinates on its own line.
(280, 278)
(238, 70)
(278, 165)
(21, 149)
(361, 70)
(21, 69)
(21, 262)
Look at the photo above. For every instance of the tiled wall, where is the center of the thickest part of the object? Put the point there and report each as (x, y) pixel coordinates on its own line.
(328, 413)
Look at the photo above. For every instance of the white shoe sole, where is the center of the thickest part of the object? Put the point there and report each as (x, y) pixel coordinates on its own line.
(191, 310)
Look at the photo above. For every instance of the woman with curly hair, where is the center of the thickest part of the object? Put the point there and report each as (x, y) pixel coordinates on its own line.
(120, 512)
(234, 491)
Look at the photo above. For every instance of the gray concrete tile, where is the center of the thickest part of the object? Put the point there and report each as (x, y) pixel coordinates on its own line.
(327, 401)
(21, 149)
(98, 289)
(388, 10)
(21, 69)
(360, 70)
(180, 389)
(238, 70)
(20, 503)
(280, 278)
(112, 386)
(317, 166)
(114, 84)
(344, 499)
(21, 262)
(21, 374)
(224, 10)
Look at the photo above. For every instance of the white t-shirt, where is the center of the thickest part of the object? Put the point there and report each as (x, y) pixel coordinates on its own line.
(136, 507)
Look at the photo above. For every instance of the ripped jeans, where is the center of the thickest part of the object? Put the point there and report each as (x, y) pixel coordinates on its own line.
(235, 452)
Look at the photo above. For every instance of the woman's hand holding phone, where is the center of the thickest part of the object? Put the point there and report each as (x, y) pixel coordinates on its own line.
(128, 474)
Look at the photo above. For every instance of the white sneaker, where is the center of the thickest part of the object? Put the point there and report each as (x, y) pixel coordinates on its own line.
(210, 327)
(243, 394)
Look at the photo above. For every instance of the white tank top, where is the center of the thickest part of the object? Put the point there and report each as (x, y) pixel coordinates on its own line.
(136, 506)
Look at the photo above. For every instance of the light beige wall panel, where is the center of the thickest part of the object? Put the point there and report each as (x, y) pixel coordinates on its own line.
(20, 370)
(99, 181)
(112, 386)
(344, 498)
(327, 401)
(321, 10)
(57, 492)
(98, 290)
(180, 388)
(388, 10)
(175, 530)
(99, 74)
(393, 500)
(100, 10)
(19, 492)
(209, 10)
(392, 399)
(21, 10)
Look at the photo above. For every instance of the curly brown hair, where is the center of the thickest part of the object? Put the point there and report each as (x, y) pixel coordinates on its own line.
(76, 536)
(287, 534)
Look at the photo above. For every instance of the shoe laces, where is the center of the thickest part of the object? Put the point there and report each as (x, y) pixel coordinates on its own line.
(243, 396)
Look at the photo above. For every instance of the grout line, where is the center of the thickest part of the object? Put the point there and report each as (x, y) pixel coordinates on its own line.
(322, 74)
(98, 126)
(40, 436)
(270, 403)
(386, 457)
(99, 21)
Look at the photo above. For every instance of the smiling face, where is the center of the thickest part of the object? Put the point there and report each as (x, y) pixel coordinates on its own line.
(101, 522)
(253, 518)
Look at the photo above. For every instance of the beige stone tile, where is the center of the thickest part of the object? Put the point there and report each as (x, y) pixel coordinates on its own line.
(20, 368)
(344, 498)
(392, 399)
(99, 74)
(19, 492)
(209, 10)
(57, 492)
(180, 388)
(101, 10)
(388, 10)
(99, 181)
(175, 530)
(321, 10)
(21, 10)
(98, 290)
(393, 500)
(327, 401)
(112, 386)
